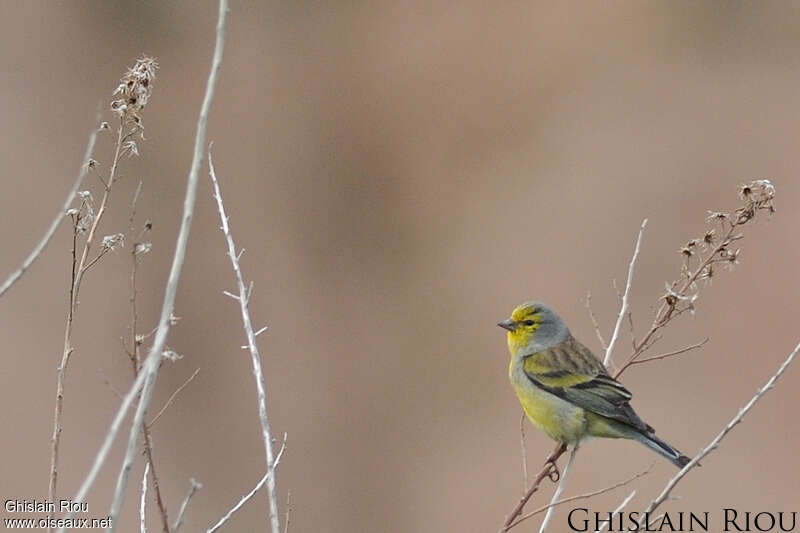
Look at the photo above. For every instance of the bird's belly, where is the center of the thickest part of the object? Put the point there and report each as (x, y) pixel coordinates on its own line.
(561, 420)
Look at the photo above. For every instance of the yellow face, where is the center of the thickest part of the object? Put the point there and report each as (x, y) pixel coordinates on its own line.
(522, 325)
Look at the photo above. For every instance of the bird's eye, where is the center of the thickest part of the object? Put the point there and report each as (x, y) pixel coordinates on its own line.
(529, 322)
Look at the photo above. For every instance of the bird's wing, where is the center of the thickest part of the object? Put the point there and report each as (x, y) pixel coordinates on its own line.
(570, 371)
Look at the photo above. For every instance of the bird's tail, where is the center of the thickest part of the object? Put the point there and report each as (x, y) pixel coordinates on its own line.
(662, 448)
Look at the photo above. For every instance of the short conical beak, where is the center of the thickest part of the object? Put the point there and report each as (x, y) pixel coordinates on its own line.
(508, 324)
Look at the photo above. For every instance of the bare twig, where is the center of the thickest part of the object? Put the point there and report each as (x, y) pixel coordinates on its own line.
(623, 310)
(594, 321)
(250, 494)
(680, 294)
(549, 470)
(619, 508)
(585, 495)
(153, 360)
(255, 356)
(136, 363)
(39, 248)
(108, 440)
(716, 441)
(78, 270)
(148, 451)
(143, 500)
(288, 511)
(172, 398)
(562, 484)
(193, 487)
(670, 354)
(147, 377)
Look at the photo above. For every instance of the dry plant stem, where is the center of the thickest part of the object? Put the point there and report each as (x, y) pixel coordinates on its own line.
(548, 470)
(584, 496)
(288, 511)
(667, 311)
(594, 321)
(255, 356)
(148, 448)
(619, 508)
(670, 354)
(623, 310)
(143, 500)
(108, 440)
(153, 361)
(221, 522)
(559, 490)
(172, 399)
(77, 276)
(39, 248)
(135, 361)
(149, 371)
(715, 442)
(193, 487)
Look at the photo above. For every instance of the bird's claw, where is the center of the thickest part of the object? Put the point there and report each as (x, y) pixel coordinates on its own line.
(553, 473)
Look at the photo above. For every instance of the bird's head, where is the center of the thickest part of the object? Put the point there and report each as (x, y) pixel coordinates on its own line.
(533, 327)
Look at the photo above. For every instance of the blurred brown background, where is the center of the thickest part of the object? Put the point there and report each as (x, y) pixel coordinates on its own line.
(401, 177)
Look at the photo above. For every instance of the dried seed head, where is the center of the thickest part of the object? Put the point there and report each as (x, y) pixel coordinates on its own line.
(709, 238)
(112, 241)
(130, 148)
(142, 248)
(745, 191)
(171, 355)
(717, 215)
(135, 89)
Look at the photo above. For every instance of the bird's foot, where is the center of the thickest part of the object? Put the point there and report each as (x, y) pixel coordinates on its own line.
(554, 474)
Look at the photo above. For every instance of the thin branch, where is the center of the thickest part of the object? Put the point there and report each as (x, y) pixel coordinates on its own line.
(193, 487)
(759, 196)
(549, 470)
(147, 378)
(136, 363)
(255, 356)
(623, 310)
(250, 494)
(585, 496)
(143, 500)
(39, 248)
(616, 511)
(715, 442)
(670, 354)
(108, 440)
(594, 321)
(172, 398)
(288, 511)
(78, 270)
(148, 451)
(562, 484)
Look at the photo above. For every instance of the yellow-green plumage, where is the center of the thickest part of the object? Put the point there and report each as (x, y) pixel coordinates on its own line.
(565, 390)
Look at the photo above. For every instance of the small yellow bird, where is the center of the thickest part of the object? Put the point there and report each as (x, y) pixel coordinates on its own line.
(565, 390)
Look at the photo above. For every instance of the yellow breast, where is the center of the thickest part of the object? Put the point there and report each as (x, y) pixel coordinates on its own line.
(561, 420)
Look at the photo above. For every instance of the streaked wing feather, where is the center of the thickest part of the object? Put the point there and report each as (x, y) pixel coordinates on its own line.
(571, 372)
